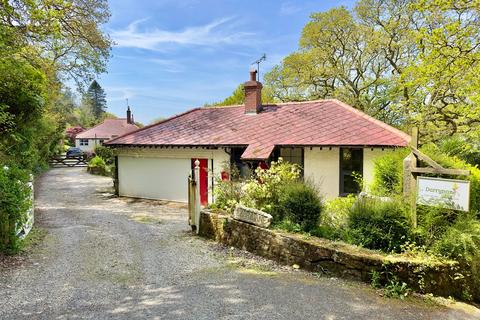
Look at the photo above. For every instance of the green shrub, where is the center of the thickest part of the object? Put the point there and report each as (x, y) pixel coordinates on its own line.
(461, 241)
(379, 225)
(433, 222)
(263, 191)
(388, 173)
(97, 165)
(301, 204)
(105, 153)
(14, 205)
(335, 214)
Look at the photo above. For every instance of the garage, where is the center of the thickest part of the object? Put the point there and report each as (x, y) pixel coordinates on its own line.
(154, 178)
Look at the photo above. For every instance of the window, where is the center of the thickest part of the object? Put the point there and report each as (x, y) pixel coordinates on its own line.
(244, 170)
(84, 142)
(101, 141)
(351, 164)
(292, 155)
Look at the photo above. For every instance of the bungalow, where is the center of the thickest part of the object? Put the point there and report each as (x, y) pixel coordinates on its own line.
(329, 139)
(108, 129)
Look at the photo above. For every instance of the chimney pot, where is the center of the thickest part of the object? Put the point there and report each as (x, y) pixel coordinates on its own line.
(129, 115)
(253, 75)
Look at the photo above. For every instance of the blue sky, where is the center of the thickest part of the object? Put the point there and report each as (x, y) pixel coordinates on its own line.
(172, 55)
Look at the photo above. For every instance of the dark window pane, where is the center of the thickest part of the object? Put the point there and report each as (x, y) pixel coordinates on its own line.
(351, 161)
(350, 185)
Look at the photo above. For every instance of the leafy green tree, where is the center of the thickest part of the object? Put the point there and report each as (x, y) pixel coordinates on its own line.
(41, 43)
(403, 61)
(338, 57)
(65, 33)
(96, 99)
(238, 97)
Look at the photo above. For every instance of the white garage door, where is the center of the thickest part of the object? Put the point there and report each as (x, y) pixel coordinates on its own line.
(154, 178)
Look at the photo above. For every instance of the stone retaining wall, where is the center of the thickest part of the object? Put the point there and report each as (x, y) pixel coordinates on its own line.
(320, 255)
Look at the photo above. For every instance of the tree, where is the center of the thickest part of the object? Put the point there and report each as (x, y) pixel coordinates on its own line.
(338, 57)
(41, 43)
(238, 97)
(403, 61)
(95, 98)
(64, 33)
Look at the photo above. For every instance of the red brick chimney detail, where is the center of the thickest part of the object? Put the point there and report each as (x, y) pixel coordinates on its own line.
(253, 94)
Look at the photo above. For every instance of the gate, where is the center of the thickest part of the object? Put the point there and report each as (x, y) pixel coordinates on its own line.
(64, 161)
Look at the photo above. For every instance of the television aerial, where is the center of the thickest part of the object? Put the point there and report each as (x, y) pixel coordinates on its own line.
(257, 62)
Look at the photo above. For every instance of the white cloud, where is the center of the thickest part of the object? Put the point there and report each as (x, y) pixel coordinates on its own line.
(220, 31)
(168, 65)
(289, 8)
(119, 93)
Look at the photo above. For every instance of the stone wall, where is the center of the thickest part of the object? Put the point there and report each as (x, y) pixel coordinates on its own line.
(320, 255)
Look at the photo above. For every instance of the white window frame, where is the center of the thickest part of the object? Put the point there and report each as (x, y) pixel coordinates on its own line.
(83, 142)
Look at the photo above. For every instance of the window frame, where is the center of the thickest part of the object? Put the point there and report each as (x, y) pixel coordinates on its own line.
(83, 142)
(343, 172)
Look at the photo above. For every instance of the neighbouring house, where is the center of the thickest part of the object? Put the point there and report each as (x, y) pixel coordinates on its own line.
(329, 139)
(108, 129)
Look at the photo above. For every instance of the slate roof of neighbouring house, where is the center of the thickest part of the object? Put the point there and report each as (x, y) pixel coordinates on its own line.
(107, 129)
(314, 123)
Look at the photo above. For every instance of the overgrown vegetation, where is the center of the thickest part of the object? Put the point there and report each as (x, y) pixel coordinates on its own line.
(14, 204)
(442, 232)
(43, 44)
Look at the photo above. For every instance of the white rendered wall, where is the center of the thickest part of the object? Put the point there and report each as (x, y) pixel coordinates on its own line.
(167, 157)
(322, 167)
(92, 143)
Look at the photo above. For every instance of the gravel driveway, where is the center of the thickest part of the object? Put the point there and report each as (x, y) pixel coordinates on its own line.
(111, 258)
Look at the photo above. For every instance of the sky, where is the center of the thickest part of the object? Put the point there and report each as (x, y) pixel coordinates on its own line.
(173, 55)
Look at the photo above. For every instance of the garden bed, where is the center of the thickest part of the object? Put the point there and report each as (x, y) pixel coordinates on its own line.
(335, 258)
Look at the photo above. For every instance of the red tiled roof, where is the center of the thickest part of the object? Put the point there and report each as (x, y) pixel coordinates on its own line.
(107, 129)
(314, 123)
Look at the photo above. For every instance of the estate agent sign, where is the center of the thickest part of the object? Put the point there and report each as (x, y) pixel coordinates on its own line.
(447, 193)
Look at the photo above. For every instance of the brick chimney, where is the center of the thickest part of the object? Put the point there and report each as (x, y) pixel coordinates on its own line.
(253, 94)
(129, 115)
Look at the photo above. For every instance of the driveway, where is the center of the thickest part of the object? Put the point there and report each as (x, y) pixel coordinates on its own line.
(115, 258)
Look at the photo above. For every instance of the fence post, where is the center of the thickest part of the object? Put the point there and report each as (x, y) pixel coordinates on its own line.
(410, 179)
(197, 195)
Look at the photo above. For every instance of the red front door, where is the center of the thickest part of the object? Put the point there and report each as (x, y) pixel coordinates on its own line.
(203, 179)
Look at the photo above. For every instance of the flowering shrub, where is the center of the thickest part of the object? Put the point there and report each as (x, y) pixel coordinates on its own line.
(263, 191)
(228, 192)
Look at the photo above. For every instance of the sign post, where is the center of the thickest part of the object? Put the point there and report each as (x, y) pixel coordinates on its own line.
(432, 188)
